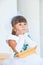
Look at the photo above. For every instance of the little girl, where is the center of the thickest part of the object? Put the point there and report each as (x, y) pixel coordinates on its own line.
(19, 41)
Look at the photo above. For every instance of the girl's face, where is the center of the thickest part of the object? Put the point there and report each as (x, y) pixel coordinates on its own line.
(20, 28)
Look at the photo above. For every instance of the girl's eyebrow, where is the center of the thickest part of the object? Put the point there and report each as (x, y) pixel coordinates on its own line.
(21, 23)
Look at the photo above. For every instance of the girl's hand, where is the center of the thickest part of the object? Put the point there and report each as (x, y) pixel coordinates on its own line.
(17, 52)
(35, 47)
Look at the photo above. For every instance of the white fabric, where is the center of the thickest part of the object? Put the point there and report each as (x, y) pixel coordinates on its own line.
(20, 40)
(33, 59)
(29, 60)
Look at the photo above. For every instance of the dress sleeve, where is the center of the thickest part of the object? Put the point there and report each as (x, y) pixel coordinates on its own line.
(12, 37)
(29, 40)
(32, 43)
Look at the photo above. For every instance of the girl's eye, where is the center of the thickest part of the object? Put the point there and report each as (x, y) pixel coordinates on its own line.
(20, 24)
(25, 24)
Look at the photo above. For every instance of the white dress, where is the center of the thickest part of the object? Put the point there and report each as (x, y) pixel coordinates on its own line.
(33, 59)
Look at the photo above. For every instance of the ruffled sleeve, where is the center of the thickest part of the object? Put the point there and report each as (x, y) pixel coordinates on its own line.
(12, 37)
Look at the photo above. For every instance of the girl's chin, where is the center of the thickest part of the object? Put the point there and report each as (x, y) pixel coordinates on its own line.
(22, 33)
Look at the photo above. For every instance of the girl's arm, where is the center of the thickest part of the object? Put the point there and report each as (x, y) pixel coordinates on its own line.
(12, 44)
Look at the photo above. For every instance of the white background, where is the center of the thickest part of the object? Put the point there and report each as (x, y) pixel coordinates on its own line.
(41, 26)
(8, 9)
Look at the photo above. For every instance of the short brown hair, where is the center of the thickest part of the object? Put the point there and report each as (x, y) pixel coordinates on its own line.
(17, 19)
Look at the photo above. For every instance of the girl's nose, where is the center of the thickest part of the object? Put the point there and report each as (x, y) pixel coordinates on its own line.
(23, 26)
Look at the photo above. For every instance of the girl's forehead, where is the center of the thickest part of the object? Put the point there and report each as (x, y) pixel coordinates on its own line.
(16, 23)
(22, 22)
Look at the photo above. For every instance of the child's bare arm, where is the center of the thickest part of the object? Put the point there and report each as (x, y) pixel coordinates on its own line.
(12, 44)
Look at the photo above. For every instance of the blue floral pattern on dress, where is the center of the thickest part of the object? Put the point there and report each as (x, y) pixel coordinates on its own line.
(29, 36)
(25, 47)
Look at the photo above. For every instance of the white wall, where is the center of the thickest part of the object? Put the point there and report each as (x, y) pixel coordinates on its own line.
(30, 9)
(41, 26)
(8, 9)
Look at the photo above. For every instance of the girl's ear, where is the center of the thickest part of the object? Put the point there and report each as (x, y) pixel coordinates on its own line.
(13, 28)
(13, 32)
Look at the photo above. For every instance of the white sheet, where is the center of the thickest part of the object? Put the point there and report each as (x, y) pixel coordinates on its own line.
(29, 60)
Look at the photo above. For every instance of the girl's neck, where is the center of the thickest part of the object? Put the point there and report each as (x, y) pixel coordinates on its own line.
(22, 33)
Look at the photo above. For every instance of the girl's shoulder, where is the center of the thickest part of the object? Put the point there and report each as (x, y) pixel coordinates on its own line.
(12, 37)
(27, 35)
